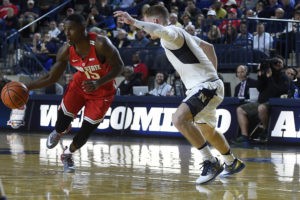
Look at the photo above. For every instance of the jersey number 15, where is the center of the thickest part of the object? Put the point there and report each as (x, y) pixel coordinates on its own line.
(92, 75)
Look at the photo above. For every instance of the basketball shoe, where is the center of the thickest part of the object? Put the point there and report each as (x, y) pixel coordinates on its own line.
(235, 167)
(54, 137)
(210, 171)
(68, 162)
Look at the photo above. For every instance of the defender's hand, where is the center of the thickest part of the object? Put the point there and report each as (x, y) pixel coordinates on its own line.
(124, 17)
(89, 86)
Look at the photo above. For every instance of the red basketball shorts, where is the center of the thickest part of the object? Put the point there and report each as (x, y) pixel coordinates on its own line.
(95, 109)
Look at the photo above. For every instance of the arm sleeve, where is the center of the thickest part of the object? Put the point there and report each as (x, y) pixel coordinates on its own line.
(166, 33)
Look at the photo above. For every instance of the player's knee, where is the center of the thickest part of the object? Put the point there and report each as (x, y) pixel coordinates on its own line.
(179, 121)
(175, 120)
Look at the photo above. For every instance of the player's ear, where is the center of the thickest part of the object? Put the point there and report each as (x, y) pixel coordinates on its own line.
(155, 20)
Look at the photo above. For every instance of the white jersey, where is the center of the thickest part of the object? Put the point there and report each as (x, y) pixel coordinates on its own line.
(189, 60)
(184, 53)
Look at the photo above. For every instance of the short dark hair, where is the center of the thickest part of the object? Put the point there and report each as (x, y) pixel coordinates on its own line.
(158, 11)
(79, 19)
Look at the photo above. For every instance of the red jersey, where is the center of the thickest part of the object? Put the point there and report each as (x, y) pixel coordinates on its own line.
(90, 68)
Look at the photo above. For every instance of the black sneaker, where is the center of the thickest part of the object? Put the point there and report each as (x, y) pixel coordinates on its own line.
(210, 171)
(235, 167)
(68, 162)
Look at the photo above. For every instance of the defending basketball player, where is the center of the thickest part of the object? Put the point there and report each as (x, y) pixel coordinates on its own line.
(196, 62)
(98, 63)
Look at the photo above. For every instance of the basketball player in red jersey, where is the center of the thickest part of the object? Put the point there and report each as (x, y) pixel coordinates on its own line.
(98, 62)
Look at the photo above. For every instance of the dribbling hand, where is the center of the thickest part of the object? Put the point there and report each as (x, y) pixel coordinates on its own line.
(124, 17)
(89, 86)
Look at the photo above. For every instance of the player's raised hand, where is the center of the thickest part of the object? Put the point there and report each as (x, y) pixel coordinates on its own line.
(89, 86)
(124, 17)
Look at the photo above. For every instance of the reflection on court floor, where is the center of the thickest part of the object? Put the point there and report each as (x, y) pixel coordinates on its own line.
(139, 168)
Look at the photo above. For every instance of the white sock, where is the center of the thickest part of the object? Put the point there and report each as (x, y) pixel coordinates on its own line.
(228, 158)
(67, 151)
(206, 154)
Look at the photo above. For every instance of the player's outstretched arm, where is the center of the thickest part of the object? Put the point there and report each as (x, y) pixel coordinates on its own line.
(151, 28)
(56, 70)
(105, 51)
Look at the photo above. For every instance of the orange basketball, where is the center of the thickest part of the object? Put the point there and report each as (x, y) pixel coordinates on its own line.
(14, 94)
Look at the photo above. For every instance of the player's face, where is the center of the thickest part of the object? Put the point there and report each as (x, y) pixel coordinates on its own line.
(152, 20)
(72, 31)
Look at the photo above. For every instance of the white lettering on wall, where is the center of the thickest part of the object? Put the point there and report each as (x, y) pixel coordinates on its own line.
(136, 118)
(48, 115)
(285, 125)
(144, 118)
(167, 125)
(118, 118)
(225, 117)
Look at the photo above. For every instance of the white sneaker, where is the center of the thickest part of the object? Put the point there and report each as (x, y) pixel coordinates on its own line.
(68, 162)
(54, 137)
(210, 171)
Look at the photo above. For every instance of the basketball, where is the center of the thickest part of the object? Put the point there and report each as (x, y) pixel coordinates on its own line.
(14, 95)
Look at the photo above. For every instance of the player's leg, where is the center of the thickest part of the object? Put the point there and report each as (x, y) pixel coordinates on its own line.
(62, 127)
(214, 138)
(206, 120)
(183, 120)
(93, 115)
(232, 164)
(71, 104)
(79, 140)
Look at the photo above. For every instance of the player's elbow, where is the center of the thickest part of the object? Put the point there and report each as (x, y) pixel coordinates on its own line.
(119, 68)
(211, 47)
(52, 78)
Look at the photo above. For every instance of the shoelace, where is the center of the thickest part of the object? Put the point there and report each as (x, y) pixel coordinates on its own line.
(230, 167)
(206, 166)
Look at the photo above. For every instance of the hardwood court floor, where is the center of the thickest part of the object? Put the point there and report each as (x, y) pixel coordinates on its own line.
(140, 168)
